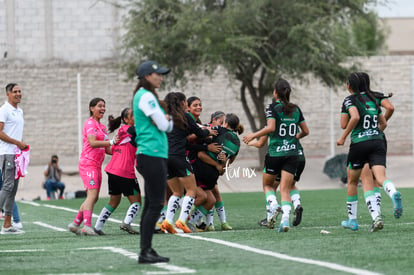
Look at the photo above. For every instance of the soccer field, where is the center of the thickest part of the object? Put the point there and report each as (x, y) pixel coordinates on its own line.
(48, 248)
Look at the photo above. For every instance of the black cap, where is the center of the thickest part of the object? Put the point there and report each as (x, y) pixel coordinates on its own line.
(149, 67)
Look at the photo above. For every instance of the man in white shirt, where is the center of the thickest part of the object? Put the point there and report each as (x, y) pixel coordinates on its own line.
(11, 135)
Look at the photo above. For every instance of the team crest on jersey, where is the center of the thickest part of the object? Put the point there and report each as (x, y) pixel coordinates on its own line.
(92, 182)
(152, 104)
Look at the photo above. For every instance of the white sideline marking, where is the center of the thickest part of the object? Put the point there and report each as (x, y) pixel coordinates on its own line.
(283, 256)
(21, 250)
(50, 226)
(254, 250)
(170, 269)
(71, 210)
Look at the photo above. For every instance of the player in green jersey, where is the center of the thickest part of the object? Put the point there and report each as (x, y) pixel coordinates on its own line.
(365, 122)
(284, 119)
(294, 193)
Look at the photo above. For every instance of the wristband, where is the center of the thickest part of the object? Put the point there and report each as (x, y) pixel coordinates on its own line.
(112, 142)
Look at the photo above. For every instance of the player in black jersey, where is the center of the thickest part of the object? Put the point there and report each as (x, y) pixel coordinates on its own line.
(180, 172)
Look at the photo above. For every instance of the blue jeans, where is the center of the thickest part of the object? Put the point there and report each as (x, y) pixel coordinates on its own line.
(52, 186)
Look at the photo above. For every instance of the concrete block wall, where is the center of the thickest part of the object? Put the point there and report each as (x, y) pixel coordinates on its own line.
(78, 30)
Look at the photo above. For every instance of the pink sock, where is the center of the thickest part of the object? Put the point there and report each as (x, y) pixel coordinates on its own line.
(87, 217)
(79, 218)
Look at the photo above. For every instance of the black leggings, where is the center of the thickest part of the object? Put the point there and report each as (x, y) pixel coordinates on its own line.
(154, 171)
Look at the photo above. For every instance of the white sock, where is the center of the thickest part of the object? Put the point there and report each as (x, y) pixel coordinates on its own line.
(196, 216)
(371, 204)
(378, 198)
(173, 205)
(162, 214)
(210, 217)
(286, 208)
(272, 202)
(352, 206)
(221, 212)
(295, 197)
(132, 212)
(389, 188)
(103, 216)
(188, 203)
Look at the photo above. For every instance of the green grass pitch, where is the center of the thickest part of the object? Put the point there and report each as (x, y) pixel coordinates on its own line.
(48, 248)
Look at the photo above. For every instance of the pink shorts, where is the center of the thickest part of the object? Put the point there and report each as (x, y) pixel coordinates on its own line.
(91, 176)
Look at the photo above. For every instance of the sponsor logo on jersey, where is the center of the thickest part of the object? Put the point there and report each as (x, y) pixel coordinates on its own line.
(368, 133)
(285, 147)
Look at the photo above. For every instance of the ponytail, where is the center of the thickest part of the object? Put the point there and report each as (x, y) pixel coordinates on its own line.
(234, 123)
(114, 123)
(282, 88)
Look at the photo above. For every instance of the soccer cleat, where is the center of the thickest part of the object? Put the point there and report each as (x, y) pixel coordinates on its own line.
(17, 225)
(181, 225)
(350, 224)
(226, 226)
(168, 227)
(210, 228)
(202, 226)
(128, 228)
(297, 215)
(283, 227)
(272, 221)
(376, 225)
(10, 230)
(397, 203)
(88, 231)
(263, 222)
(157, 228)
(192, 227)
(99, 232)
(74, 228)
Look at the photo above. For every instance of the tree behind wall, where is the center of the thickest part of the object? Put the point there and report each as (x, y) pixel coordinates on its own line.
(255, 41)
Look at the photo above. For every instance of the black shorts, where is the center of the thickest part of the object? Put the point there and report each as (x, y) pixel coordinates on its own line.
(179, 167)
(275, 165)
(206, 175)
(119, 185)
(299, 171)
(372, 152)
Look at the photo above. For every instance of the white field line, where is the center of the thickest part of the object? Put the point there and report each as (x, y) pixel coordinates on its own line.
(71, 210)
(260, 251)
(21, 250)
(169, 269)
(76, 274)
(50, 226)
(283, 256)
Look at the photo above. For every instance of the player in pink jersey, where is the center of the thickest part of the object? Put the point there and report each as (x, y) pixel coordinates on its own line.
(121, 173)
(95, 144)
